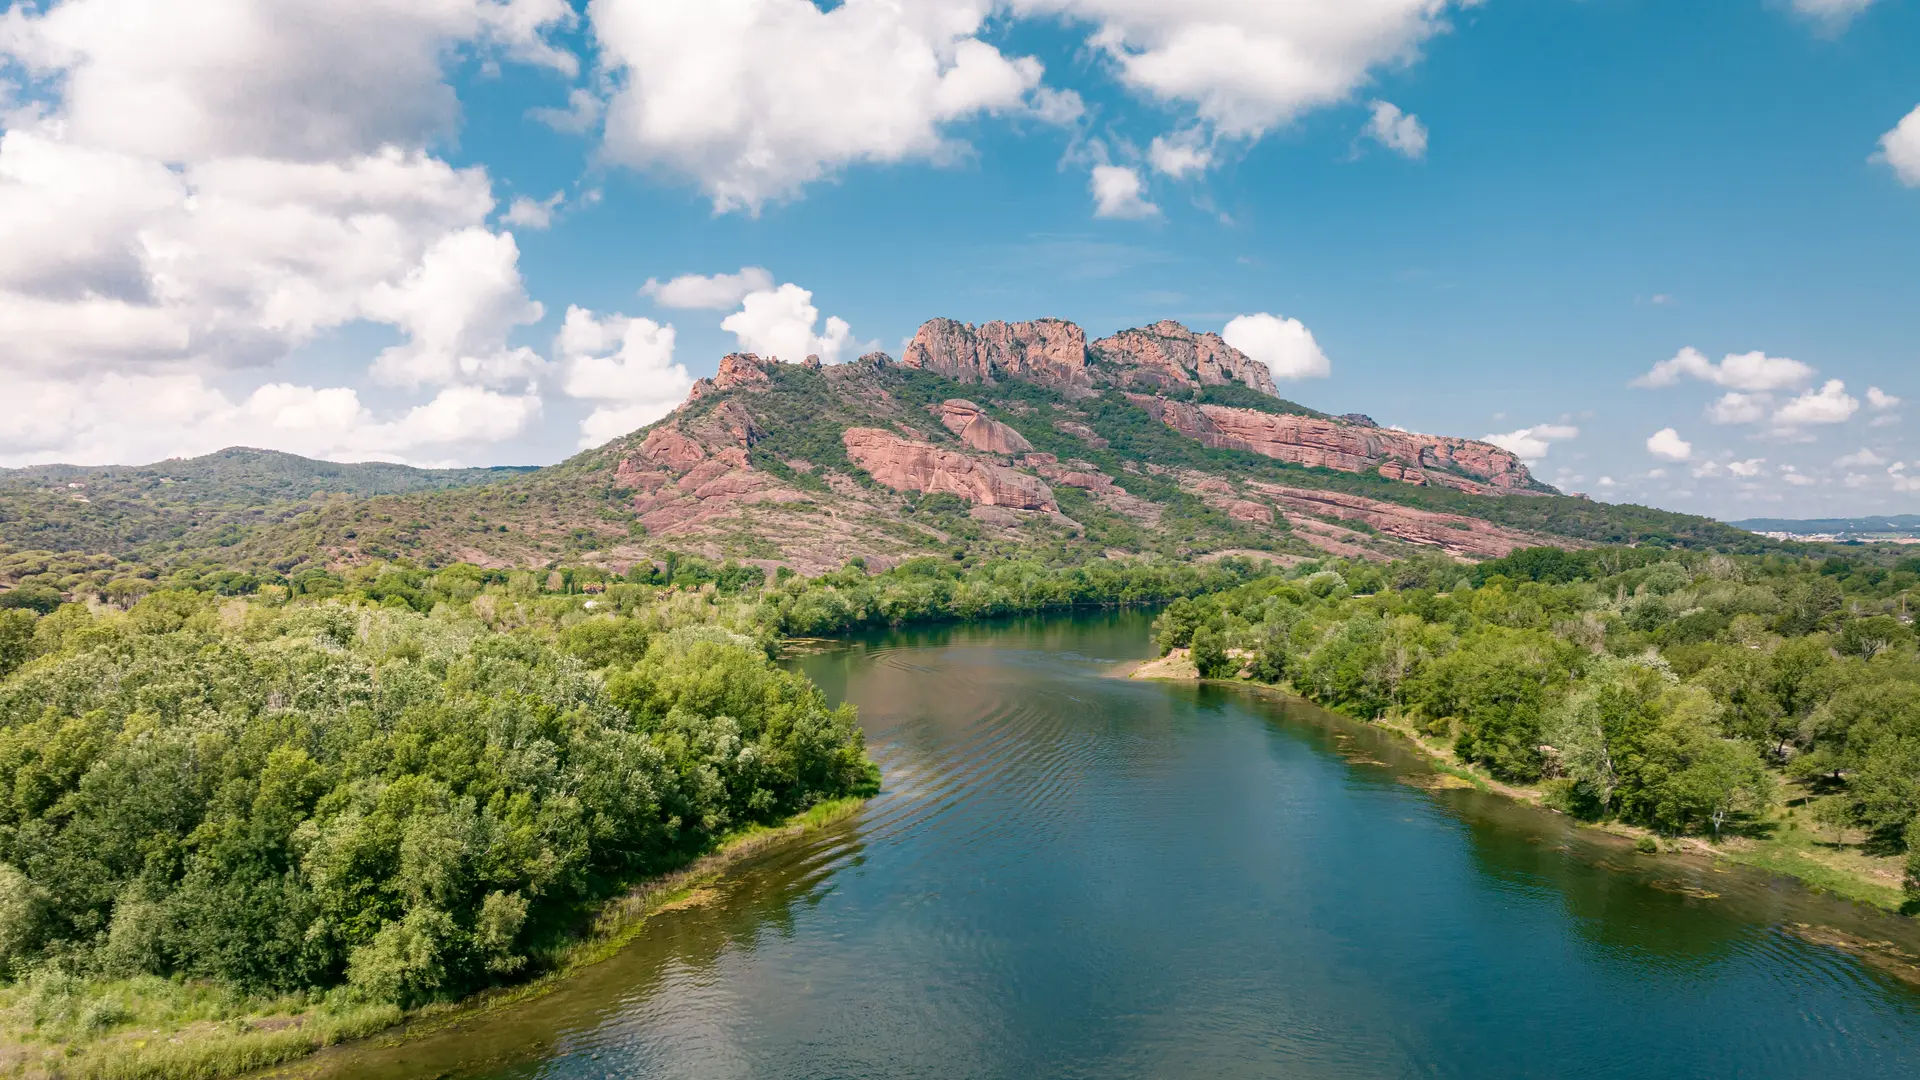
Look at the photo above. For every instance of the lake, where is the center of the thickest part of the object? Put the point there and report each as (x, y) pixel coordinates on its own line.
(1073, 875)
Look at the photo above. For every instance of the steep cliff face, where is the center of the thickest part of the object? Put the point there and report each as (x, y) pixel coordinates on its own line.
(1164, 356)
(1049, 351)
(1465, 464)
(1169, 356)
(911, 465)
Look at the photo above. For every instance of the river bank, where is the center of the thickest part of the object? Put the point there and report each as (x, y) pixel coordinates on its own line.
(1793, 844)
(163, 1030)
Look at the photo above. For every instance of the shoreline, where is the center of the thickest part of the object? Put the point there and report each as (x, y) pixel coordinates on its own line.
(1772, 856)
(286, 1043)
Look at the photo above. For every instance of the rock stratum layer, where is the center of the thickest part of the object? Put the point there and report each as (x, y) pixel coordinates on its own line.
(1055, 353)
(1465, 464)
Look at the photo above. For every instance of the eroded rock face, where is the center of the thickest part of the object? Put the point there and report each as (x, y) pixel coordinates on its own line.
(910, 465)
(1332, 444)
(738, 371)
(1082, 432)
(1461, 537)
(1169, 356)
(976, 429)
(1050, 351)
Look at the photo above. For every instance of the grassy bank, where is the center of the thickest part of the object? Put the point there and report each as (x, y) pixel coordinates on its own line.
(1788, 840)
(58, 1027)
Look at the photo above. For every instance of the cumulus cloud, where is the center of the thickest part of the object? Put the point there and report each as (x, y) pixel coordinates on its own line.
(1900, 149)
(1860, 459)
(1249, 66)
(1754, 371)
(1667, 444)
(1398, 131)
(716, 292)
(1747, 468)
(1831, 404)
(583, 111)
(1118, 192)
(1532, 443)
(1178, 155)
(529, 213)
(1734, 407)
(1285, 345)
(754, 99)
(1879, 400)
(781, 323)
(1795, 477)
(212, 186)
(625, 365)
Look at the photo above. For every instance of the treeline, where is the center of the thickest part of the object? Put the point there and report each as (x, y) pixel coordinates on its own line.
(373, 803)
(1669, 690)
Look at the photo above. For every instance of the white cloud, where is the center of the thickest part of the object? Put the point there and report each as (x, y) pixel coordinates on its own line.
(1747, 468)
(1249, 66)
(753, 99)
(304, 82)
(1863, 458)
(625, 365)
(1830, 404)
(717, 292)
(1533, 442)
(780, 323)
(86, 420)
(530, 213)
(1061, 107)
(212, 186)
(1397, 131)
(583, 111)
(1797, 479)
(1179, 155)
(1708, 468)
(1836, 14)
(1119, 193)
(1667, 443)
(1900, 149)
(1879, 400)
(1285, 345)
(1734, 407)
(1754, 371)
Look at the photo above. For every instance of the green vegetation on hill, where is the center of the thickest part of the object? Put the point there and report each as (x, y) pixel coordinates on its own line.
(1685, 693)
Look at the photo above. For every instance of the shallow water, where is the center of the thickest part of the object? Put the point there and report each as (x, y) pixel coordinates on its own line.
(1070, 875)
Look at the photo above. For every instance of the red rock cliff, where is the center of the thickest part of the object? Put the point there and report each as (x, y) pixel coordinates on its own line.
(1050, 351)
(909, 465)
(1168, 355)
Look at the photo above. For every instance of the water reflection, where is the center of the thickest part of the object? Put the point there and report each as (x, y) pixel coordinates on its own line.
(1070, 875)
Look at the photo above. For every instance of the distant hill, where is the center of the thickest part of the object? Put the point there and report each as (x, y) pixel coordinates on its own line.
(189, 502)
(995, 439)
(1863, 528)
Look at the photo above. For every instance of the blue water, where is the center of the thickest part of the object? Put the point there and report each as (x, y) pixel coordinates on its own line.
(1072, 875)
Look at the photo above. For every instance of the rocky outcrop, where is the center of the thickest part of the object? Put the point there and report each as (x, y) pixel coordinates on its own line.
(1049, 351)
(1082, 432)
(1460, 537)
(738, 371)
(978, 430)
(1055, 353)
(1168, 356)
(1471, 466)
(910, 465)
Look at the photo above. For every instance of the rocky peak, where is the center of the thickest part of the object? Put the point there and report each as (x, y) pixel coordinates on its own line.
(1050, 351)
(1169, 356)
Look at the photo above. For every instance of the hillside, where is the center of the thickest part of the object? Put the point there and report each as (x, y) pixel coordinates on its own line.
(1885, 527)
(979, 440)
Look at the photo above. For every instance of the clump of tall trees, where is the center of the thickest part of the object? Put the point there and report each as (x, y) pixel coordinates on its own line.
(1671, 690)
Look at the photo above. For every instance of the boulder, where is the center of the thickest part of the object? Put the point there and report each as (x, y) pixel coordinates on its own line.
(976, 429)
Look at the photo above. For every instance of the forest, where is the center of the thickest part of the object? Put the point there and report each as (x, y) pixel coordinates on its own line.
(1683, 693)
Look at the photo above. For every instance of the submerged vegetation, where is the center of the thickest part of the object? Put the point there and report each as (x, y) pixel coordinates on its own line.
(1702, 694)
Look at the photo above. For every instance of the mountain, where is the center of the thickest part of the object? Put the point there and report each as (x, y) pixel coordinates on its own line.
(190, 502)
(1884, 527)
(979, 440)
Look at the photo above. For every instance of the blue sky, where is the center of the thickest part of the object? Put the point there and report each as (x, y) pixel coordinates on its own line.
(356, 233)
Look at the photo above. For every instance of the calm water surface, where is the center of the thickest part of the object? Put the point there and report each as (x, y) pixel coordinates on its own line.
(1070, 875)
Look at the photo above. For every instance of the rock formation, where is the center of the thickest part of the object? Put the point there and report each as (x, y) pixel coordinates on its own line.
(1169, 356)
(1334, 444)
(1460, 537)
(910, 465)
(976, 429)
(1049, 351)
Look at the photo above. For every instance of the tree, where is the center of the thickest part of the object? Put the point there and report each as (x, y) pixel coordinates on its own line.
(1210, 654)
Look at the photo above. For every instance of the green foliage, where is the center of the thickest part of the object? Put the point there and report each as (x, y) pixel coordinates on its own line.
(363, 798)
(1652, 687)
